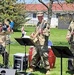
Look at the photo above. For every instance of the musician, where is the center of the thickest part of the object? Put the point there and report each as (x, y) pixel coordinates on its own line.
(70, 38)
(4, 31)
(40, 37)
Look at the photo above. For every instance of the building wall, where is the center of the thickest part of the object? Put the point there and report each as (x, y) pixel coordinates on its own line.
(54, 21)
(60, 20)
(33, 20)
(64, 21)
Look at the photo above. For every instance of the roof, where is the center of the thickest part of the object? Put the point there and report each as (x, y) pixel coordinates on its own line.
(35, 7)
(63, 7)
(55, 7)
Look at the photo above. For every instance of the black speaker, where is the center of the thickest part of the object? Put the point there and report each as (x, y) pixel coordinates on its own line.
(7, 71)
(70, 66)
(19, 61)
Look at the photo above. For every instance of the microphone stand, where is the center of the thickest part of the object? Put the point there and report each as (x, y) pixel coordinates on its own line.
(9, 42)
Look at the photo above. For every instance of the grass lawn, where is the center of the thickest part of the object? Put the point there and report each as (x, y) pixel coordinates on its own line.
(57, 36)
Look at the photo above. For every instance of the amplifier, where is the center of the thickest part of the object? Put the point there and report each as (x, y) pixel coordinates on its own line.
(20, 61)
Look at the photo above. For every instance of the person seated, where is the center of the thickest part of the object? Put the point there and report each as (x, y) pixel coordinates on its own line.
(11, 24)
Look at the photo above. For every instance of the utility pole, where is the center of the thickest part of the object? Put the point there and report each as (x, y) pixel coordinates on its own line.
(49, 8)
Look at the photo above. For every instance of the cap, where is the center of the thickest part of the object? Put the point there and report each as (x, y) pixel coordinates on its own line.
(40, 14)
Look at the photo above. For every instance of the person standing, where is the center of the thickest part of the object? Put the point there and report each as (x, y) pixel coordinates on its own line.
(70, 39)
(23, 31)
(3, 34)
(40, 37)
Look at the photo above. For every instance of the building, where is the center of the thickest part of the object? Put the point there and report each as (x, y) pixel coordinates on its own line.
(61, 14)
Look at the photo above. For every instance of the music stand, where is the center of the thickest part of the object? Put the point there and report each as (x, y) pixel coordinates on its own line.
(62, 52)
(25, 42)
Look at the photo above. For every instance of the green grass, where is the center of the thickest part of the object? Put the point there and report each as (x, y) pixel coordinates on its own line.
(57, 36)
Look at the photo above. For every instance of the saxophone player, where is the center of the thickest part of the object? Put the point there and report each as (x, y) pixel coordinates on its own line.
(40, 38)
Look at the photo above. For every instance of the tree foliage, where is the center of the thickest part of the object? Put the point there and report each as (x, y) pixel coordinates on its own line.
(70, 1)
(9, 9)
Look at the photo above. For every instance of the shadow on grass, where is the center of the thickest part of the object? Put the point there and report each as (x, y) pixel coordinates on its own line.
(41, 70)
(70, 72)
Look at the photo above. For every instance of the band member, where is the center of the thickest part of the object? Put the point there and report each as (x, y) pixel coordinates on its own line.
(4, 31)
(40, 37)
(70, 38)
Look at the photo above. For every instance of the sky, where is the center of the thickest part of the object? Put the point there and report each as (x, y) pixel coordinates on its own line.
(31, 1)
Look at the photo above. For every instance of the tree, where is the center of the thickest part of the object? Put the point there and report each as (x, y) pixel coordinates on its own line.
(49, 9)
(69, 1)
(9, 9)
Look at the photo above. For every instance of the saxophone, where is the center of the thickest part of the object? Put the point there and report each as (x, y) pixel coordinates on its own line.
(35, 35)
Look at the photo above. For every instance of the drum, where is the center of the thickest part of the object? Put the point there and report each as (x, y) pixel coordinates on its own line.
(30, 55)
(51, 57)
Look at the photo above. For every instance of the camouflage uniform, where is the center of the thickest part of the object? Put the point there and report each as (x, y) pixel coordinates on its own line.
(2, 47)
(41, 48)
(71, 39)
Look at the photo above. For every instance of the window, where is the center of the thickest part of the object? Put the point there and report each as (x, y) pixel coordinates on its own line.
(34, 15)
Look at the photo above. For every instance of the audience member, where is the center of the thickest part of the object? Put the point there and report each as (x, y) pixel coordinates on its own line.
(23, 31)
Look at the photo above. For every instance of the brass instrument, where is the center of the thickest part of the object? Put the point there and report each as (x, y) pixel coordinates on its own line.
(71, 41)
(35, 35)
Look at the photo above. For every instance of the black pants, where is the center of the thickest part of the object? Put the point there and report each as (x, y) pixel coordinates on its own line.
(5, 56)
